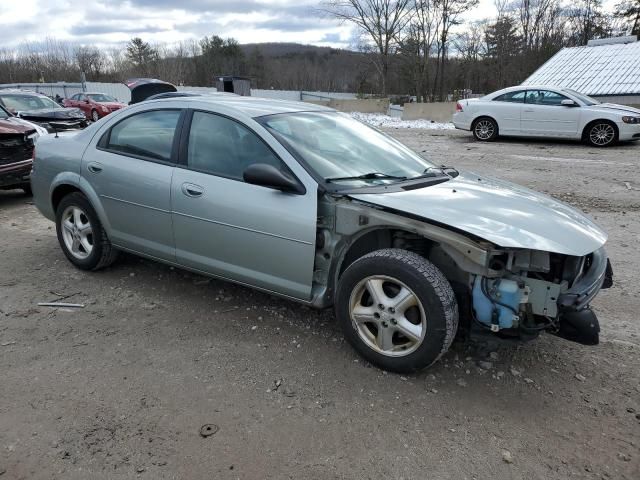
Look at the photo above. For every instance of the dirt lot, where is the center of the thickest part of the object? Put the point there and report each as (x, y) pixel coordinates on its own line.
(121, 388)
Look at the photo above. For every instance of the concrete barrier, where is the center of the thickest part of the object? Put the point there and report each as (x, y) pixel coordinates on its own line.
(369, 105)
(436, 111)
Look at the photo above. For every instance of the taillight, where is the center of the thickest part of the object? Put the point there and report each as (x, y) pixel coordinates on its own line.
(458, 107)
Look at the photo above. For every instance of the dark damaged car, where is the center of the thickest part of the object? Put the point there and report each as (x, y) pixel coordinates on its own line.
(16, 152)
(42, 111)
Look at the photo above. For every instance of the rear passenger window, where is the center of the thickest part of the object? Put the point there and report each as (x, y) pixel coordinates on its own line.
(147, 134)
(223, 147)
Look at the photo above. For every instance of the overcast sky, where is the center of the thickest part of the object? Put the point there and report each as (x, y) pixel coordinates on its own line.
(105, 22)
(116, 21)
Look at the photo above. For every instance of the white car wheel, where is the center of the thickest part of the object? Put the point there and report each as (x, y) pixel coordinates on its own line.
(485, 129)
(602, 134)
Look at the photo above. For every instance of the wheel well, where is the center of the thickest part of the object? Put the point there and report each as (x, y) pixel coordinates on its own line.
(384, 238)
(600, 120)
(476, 120)
(60, 192)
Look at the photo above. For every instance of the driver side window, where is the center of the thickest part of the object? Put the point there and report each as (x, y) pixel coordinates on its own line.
(545, 97)
(223, 147)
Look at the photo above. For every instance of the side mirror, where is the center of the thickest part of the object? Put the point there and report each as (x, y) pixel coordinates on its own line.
(87, 101)
(568, 103)
(267, 175)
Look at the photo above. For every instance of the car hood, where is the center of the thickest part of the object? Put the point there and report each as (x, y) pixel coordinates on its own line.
(503, 213)
(622, 109)
(52, 114)
(13, 125)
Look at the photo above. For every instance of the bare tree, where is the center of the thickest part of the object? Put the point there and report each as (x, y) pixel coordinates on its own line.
(381, 20)
(417, 44)
(450, 12)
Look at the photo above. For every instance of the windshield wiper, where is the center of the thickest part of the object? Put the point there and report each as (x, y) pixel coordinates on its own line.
(367, 176)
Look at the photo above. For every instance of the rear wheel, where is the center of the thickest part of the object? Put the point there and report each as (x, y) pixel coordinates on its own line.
(80, 234)
(602, 134)
(397, 310)
(485, 129)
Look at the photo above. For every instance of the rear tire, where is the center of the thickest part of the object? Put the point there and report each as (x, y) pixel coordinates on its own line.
(485, 129)
(81, 235)
(397, 310)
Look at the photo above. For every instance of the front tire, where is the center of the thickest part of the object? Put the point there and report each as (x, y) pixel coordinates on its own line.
(485, 129)
(397, 310)
(94, 115)
(602, 134)
(81, 235)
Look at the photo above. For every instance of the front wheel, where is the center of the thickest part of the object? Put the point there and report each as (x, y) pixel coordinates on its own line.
(602, 134)
(80, 234)
(485, 129)
(94, 115)
(397, 310)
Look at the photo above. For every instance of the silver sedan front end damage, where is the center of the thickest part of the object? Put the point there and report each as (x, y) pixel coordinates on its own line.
(511, 292)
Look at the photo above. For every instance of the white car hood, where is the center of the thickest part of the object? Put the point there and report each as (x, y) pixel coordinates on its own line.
(621, 109)
(501, 212)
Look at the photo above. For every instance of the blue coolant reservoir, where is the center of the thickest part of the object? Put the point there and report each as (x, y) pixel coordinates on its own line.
(503, 290)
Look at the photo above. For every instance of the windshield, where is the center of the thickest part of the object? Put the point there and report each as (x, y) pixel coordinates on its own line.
(588, 101)
(338, 148)
(101, 97)
(27, 102)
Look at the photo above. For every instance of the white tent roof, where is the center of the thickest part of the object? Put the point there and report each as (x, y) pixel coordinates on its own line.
(593, 70)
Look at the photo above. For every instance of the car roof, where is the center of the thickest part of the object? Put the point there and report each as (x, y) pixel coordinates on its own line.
(530, 87)
(251, 106)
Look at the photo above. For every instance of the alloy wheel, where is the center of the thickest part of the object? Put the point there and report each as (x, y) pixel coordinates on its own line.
(387, 315)
(94, 116)
(77, 232)
(484, 129)
(602, 134)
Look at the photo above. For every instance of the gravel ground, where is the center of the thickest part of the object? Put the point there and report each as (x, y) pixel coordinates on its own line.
(122, 387)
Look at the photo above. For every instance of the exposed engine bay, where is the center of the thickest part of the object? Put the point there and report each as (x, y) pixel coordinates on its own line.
(512, 293)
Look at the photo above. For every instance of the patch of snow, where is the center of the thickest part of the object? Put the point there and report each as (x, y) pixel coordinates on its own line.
(381, 120)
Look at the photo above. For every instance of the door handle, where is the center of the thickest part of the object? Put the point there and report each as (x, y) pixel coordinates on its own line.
(94, 167)
(191, 190)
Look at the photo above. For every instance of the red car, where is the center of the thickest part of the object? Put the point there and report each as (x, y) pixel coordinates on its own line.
(94, 105)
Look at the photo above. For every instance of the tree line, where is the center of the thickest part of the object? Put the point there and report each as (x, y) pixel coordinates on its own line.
(428, 44)
(423, 48)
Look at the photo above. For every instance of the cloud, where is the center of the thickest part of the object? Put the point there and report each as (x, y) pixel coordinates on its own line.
(113, 22)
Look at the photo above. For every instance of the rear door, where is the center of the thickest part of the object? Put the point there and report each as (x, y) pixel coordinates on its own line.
(544, 115)
(130, 169)
(251, 234)
(506, 110)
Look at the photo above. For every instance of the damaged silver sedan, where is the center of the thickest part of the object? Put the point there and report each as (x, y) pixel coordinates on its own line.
(307, 203)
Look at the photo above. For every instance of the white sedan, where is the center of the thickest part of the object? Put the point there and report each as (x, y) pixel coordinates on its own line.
(540, 111)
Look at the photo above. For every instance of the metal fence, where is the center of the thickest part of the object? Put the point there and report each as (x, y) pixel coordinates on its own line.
(121, 92)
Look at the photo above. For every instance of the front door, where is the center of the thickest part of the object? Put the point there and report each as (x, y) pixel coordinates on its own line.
(131, 170)
(247, 233)
(544, 115)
